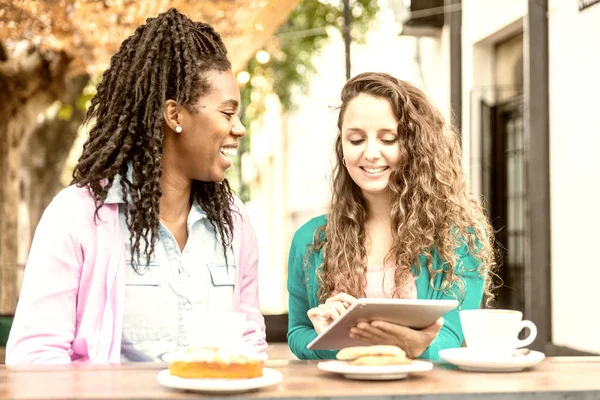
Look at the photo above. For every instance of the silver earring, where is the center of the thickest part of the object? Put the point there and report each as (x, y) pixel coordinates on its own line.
(178, 129)
(344, 161)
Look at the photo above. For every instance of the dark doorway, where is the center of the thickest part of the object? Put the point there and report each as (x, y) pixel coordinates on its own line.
(504, 189)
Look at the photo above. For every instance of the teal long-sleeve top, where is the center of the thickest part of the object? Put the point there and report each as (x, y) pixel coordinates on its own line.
(302, 286)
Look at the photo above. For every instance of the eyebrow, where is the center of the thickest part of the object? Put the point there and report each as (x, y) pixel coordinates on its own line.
(382, 130)
(230, 102)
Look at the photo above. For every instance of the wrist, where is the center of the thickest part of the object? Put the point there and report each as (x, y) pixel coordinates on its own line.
(416, 352)
(414, 348)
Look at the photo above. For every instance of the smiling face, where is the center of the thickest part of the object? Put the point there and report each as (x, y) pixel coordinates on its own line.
(210, 130)
(369, 135)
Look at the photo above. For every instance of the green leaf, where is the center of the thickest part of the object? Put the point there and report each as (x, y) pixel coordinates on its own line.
(65, 112)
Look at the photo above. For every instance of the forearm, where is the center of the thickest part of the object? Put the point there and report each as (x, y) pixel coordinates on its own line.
(255, 332)
(44, 325)
(445, 339)
(300, 337)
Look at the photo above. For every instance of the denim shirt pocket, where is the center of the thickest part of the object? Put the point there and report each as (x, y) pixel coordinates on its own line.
(144, 304)
(222, 277)
(222, 274)
(148, 276)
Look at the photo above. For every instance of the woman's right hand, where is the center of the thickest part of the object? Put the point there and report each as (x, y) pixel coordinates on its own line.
(333, 308)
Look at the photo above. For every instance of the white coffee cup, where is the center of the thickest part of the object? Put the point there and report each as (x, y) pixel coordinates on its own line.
(495, 332)
(221, 329)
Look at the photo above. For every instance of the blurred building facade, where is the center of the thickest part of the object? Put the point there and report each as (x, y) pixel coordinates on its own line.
(529, 87)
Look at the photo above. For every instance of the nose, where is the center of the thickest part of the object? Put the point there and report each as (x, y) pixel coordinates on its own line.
(238, 128)
(372, 151)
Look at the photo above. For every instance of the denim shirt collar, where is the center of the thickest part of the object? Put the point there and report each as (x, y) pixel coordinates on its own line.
(115, 196)
(115, 193)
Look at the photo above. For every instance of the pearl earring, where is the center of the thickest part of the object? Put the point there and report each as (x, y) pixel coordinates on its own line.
(178, 129)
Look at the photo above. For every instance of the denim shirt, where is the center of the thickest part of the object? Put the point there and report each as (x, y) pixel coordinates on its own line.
(161, 302)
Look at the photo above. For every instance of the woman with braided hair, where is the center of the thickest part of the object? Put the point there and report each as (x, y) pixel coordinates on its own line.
(149, 234)
(401, 224)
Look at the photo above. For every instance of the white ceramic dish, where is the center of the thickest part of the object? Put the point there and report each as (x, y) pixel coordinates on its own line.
(374, 372)
(172, 356)
(270, 377)
(471, 360)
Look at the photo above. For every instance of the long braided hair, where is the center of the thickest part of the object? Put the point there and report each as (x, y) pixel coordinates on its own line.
(166, 58)
(431, 205)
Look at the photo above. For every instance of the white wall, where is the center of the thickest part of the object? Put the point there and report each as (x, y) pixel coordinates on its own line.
(487, 19)
(574, 62)
(484, 23)
(433, 69)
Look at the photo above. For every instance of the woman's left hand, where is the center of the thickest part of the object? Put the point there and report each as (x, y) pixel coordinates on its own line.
(413, 342)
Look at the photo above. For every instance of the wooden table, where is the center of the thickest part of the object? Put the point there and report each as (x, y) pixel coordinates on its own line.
(554, 378)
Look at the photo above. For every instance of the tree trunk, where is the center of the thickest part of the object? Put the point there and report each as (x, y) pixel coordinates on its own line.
(9, 195)
(30, 81)
(47, 152)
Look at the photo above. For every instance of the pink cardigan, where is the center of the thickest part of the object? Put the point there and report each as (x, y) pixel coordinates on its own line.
(71, 302)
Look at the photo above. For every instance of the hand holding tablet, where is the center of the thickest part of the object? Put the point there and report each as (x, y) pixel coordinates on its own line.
(414, 314)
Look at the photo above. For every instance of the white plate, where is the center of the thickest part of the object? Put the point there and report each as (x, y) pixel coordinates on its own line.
(470, 360)
(172, 356)
(270, 377)
(374, 372)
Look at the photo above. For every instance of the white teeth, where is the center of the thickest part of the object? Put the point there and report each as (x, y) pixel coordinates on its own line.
(374, 170)
(228, 151)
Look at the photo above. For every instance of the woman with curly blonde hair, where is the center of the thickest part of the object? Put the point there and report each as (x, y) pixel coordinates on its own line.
(401, 224)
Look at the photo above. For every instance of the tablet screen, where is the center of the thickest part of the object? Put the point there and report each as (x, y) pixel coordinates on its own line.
(413, 313)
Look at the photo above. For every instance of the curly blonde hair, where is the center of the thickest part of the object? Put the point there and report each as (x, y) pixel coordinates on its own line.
(430, 205)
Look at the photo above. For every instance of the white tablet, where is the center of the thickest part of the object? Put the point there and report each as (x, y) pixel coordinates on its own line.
(416, 314)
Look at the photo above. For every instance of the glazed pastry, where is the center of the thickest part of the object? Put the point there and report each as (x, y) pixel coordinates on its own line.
(352, 353)
(381, 360)
(213, 363)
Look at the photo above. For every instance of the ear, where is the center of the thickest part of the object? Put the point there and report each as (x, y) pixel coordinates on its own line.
(171, 116)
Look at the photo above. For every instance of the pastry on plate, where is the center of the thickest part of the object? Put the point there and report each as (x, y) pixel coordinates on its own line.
(215, 363)
(374, 355)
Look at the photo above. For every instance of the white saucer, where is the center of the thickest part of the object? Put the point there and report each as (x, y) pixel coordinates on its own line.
(172, 356)
(374, 372)
(472, 360)
(270, 377)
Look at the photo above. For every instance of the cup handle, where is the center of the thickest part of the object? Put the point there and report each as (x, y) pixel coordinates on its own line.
(532, 333)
